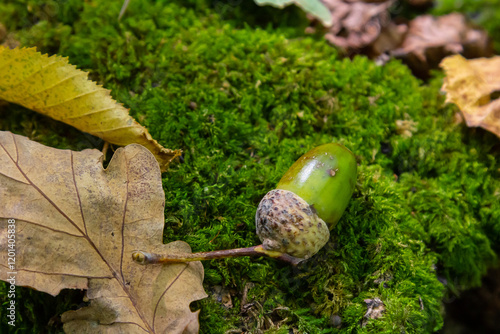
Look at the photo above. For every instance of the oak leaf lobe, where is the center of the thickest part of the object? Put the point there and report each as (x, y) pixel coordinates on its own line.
(76, 227)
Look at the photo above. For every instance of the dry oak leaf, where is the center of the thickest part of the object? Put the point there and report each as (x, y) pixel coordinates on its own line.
(469, 84)
(76, 226)
(356, 23)
(53, 87)
(429, 39)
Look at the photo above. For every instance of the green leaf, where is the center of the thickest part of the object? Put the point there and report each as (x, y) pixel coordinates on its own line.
(313, 7)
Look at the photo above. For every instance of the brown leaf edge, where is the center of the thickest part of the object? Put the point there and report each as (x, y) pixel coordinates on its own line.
(65, 246)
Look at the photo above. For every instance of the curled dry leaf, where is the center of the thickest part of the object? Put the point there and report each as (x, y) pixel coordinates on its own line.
(76, 226)
(430, 39)
(470, 84)
(53, 87)
(365, 26)
(356, 23)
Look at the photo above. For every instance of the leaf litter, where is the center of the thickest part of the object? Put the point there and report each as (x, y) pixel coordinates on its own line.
(76, 227)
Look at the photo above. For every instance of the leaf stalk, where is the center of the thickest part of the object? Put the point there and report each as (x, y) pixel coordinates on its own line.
(142, 257)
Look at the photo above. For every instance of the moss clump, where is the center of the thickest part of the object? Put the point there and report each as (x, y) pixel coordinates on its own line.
(244, 103)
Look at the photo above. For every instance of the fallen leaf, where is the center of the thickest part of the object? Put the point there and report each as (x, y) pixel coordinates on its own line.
(366, 26)
(355, 23)
(76, 226)
(470, 84)
(313, 7)
(430, 39)
(53, 87)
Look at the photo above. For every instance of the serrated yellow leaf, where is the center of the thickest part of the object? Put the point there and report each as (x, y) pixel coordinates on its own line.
(469, 84)
(53, 87)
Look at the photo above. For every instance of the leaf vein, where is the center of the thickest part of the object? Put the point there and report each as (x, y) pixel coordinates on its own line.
(164, 292)
(78, 194)
(99, 89)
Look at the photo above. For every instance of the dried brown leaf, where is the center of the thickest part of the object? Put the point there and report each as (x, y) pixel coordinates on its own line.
(470, 85)
(365, 26)
(53, 87)
(77, 225)
(356, 23)
(430, 39)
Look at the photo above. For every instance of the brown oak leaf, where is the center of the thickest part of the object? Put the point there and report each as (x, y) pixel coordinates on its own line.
(429, 39)
(76, 226)
(366, 26)
(471, 85)
(356, 23)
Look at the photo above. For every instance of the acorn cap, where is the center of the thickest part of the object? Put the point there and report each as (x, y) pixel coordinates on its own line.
(287, 223)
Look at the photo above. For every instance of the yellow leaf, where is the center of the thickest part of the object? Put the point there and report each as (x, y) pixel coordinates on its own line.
(53, 87)
(75, 225)
(469, 84)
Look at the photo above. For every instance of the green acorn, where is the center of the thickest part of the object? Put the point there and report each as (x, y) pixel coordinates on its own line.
(294, 220)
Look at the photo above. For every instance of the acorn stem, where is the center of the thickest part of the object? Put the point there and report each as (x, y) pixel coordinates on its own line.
(152, 258)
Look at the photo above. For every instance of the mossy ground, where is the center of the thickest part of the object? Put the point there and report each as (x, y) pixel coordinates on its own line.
(426, 208)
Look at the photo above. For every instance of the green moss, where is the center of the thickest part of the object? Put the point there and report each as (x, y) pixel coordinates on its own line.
(37, 312)
(425, 207)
